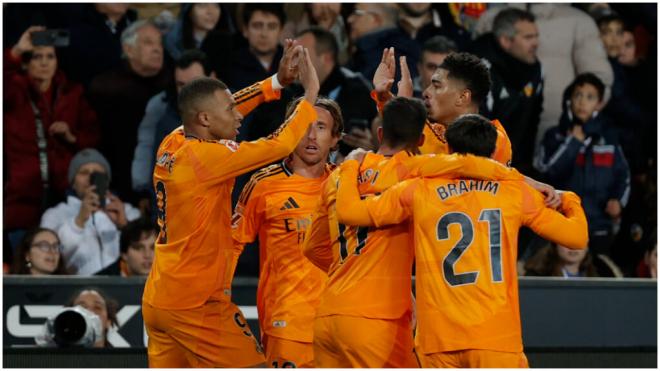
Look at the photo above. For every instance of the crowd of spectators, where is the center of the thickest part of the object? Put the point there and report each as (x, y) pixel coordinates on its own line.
(574, 86)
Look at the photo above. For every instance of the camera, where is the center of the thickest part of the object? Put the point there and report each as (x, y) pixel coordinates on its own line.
(57, 38)
(71, 327)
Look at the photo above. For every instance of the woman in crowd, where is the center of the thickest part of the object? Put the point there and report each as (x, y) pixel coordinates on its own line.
(39, 254)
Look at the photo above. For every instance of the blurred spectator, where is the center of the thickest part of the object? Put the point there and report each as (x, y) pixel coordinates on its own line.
(434, 51)
(98, 302)
(262, 27)
(39, 254)
(120, 97)
(325, 15)
(95, 40)
(582, 154)
(516, 93)
(162, 116)
(137, 242)
(559, 261)
(628, 56)
(349, 89)
(203, 26)
(623, 108)
(648, 267)
(420, 21)
(89, 232)
(46, 121)
(569, 46)
(373, 27)
(463, 15)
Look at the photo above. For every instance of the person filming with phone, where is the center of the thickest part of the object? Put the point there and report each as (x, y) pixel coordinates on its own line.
(46, 120)
(88, 223)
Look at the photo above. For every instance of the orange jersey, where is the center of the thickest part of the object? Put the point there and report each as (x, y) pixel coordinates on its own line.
(435, 142)
(277, 205)
(195, 254)
(465, 237)
(369, 269)
(434, 137)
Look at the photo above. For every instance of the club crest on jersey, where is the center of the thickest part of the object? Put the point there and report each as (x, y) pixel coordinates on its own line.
(233, 146)
(166, 160)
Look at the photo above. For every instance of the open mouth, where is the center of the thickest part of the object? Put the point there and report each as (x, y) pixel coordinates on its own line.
(311, 149)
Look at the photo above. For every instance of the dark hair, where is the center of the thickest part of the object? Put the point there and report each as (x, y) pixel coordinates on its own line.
(607, 16)
(328, 105)
(546, 262)
(272, 8)
(194, 92)
(403, 121)
(191, 56)
(224, 24)
(472, 134)
(505, 21)
(469, 69)
(133, 231)
(439, 44)
(325, 41)
(111, 306)
(19, 265)
(583, 79)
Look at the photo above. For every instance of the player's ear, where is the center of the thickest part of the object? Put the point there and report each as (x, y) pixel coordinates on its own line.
(464, 98)
(203, 119)
(379, 132)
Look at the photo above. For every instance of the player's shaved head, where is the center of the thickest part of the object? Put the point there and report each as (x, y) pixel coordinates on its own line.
(472, 134)
(196, 95)
(403, 122)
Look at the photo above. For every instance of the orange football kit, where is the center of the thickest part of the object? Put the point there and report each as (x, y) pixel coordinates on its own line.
(364, 319)
(465, 234)
(276, 206)
(187, 308)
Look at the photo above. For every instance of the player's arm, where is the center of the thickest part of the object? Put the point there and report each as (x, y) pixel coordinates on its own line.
(248, 213)
(503, 152)
(457, 166)
(391, 207)
(249, 98)
(317, 246)
(568, 228)
(227, 159)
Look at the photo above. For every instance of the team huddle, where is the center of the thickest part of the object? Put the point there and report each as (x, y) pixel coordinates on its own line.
(338, 244)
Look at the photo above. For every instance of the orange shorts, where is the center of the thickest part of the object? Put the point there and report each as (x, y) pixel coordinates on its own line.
(285, 353)
(474, 358)
(213, 335)
(346, 342)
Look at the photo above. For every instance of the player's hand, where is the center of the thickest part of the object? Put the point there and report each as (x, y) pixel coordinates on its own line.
(288, 70)
(308, 78)
(613, 208)
(24, 44)
(357, 154)
(359, 138)
(405, 85)
(90, 204)
(61, 129)
(552, 198)
(115, 210)
(384, 75)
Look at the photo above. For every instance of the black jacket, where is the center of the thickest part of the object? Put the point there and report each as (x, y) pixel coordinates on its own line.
(516, 98)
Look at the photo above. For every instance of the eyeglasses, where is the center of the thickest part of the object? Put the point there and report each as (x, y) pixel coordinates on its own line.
(45, 246)
(360, 12)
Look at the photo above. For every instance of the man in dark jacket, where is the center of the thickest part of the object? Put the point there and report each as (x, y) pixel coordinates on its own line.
(516, 94)
(121, 95)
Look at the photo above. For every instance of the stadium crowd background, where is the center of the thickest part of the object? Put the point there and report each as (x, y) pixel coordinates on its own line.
(106, 100)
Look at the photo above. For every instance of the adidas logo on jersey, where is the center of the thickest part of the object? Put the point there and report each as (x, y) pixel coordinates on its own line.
(290, 204)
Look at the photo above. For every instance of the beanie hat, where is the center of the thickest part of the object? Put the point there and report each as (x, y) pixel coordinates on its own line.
(86, 156)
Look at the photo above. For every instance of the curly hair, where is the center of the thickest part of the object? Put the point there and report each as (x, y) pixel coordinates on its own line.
(469, 69)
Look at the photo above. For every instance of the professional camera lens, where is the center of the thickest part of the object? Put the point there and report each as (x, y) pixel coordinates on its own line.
(69, 327)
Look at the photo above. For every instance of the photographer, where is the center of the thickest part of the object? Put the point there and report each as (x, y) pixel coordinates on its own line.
(87, 327)
(89, 226)
(46, 120)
